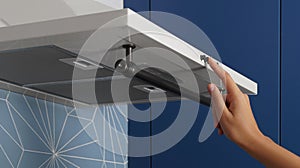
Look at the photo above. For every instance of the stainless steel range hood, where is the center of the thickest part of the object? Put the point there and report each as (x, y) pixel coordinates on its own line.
(39, 59)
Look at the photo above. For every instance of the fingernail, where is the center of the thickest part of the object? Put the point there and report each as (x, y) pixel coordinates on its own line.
(211, 88)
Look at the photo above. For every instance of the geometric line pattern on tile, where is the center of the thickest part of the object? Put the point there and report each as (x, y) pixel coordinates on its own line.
(41, 133)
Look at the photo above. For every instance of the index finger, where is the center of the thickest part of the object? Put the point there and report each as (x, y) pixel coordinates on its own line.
(230, 85)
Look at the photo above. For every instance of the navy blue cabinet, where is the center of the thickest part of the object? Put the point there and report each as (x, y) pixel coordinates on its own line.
(138, 129)
(290, 73)
(246, 35)
(216, 151)
(137, 5)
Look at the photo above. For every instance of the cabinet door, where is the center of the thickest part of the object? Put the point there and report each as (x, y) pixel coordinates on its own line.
(246, 35)
(138, 129)
(137, 5)
(290, 73)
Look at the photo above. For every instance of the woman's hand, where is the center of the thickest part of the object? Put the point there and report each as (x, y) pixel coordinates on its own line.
(235, 116)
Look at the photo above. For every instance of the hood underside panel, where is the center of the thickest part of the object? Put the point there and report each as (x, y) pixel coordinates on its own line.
(41, 69)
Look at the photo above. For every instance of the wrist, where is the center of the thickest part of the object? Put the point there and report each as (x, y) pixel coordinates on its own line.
(254, 142)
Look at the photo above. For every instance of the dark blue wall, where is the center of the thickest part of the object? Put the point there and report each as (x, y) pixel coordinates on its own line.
(290, 75)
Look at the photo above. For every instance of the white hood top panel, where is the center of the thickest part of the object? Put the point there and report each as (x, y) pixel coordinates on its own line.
(15, 12)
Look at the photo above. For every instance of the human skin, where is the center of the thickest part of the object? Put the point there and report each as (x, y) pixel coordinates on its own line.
(235, 119)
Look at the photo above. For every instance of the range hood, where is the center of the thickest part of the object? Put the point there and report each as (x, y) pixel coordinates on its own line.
(41, 58)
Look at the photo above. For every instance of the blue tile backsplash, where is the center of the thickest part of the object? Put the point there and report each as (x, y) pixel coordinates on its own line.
(40, 133)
